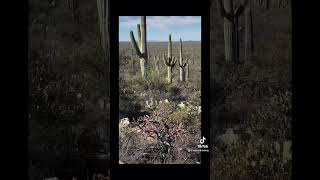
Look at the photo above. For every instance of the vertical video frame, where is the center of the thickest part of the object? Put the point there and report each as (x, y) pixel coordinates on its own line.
(159, 89)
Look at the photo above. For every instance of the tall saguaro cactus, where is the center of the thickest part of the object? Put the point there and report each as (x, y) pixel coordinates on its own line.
(181, 64)
(248, 33)
(169, 61)
(231, 13)
(104, 19)
(74, 6)
(141, 48)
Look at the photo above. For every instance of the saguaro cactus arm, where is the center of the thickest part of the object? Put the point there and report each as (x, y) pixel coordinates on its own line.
(170, 61)
(222, 10)
(182, 65)
(139, 35)
(239, 9)
(134, 44)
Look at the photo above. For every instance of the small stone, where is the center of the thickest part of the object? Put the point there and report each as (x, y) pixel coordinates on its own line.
(228, 138)
(277, 147)
(79, 95)
(182, 105)
(253, 163)
(286, 154)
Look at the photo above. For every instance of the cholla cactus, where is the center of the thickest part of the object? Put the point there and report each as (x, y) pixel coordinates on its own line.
(169, 61)
(181, 64)
(141, 48)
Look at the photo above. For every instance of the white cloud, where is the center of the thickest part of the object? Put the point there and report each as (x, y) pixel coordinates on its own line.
(162, 22)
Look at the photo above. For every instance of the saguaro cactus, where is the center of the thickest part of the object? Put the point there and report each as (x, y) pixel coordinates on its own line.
(132, 61)
(248, 33)
(181, 64)
(187, 72)
(231, 12)
(141, 48)
(263, 4)
(104, 19)
(74, 6)
(103, 12)
(169, 61)
(156, 64)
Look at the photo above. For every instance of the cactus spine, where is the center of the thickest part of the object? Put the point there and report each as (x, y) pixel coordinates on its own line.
(248, 34)
(169, 61)
(141, 48)
(181, 64)
(231, 14)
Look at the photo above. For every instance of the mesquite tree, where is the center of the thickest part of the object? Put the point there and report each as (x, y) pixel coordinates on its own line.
(169, 61)
(181, 64)
(141, 48)
(231, 12)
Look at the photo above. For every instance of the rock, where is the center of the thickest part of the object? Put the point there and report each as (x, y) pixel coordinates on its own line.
(181, 105)
(236, 127)
(228, 138)
(249, 133)
(286, 153)
(124, 122)
(199, 109)
(101, 103)
(253, 163)
(277, 147)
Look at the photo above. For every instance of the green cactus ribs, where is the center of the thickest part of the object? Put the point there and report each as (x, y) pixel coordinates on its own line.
(141, 47)
(169, 61)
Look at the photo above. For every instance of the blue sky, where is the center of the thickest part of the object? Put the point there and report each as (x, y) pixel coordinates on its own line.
(188, 28)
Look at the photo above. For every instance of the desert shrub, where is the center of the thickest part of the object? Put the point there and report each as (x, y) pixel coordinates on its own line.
(163, 137)
(195, 98)
(273, 120)
(255, 156)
